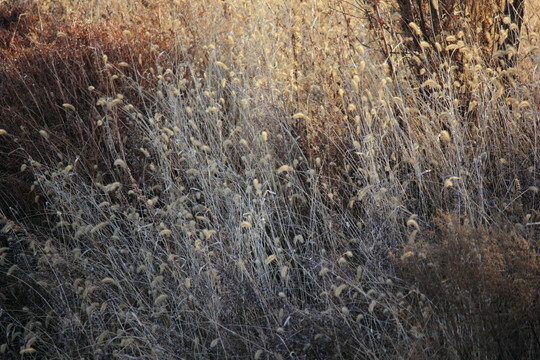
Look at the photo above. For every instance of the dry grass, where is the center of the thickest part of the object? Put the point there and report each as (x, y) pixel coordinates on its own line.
(310, 179)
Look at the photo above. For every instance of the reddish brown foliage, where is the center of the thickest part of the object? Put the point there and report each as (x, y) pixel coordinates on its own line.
(49, 61)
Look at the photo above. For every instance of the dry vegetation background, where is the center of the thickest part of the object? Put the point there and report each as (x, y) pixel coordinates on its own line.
(238, 179)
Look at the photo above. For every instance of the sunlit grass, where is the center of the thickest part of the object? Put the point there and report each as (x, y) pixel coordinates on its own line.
(265, 180)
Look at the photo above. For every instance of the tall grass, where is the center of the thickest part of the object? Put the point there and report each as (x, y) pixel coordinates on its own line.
(309, 179)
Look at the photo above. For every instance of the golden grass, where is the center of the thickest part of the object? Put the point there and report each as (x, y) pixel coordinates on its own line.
(265, 179)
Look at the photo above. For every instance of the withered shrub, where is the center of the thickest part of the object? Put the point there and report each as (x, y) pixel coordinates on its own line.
(484, 286)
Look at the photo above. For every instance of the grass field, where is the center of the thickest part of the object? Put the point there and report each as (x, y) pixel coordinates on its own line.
(238, 179)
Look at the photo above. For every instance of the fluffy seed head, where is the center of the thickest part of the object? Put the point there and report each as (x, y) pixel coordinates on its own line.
(300, 116)
(339, 290)
(407, 255)
(245, 224)
(108, 280)
(372, 306)
(222, 65)
(27, 351)
(161, 299)
(412, 222)
(444, 136)
(270, 258)
(284, 168)
(121, 163)
(324, 271)
(44, 134)
(69, 106)
(416, 28)
(165, 232)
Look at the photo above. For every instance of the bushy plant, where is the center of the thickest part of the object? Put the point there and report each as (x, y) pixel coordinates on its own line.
(483, 285)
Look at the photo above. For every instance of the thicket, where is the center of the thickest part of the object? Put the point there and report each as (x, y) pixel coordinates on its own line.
(269, 180)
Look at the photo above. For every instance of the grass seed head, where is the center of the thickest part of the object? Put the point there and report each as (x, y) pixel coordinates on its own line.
(27, 351)
(161, 299)
(165, 232)
(44, 134)
(120, 163)
(285, 168)
(69, 106)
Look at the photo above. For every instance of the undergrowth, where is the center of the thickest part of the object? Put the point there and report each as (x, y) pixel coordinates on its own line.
(307, 180)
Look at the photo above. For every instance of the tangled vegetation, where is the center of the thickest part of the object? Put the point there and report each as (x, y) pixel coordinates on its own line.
(314, 179)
